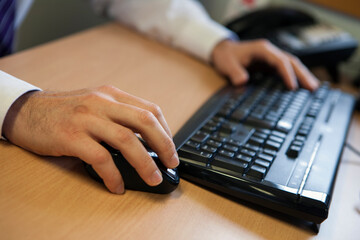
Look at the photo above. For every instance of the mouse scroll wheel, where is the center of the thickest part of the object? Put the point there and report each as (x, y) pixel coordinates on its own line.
(152, 154)
(171, 173)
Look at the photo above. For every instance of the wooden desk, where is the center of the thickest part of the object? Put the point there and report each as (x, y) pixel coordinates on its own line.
(53, 198)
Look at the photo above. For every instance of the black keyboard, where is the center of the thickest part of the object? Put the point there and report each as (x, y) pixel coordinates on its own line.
(267, 145)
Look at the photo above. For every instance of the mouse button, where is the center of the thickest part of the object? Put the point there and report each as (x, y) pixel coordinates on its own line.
(171, 174)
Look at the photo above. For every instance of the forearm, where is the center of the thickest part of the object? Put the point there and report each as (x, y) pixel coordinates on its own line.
(183, 24)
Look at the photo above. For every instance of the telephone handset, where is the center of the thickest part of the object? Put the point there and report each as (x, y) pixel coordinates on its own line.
(314, 43)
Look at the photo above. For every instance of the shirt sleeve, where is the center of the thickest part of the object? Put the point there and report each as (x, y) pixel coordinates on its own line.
(183, 24)
(11, 88)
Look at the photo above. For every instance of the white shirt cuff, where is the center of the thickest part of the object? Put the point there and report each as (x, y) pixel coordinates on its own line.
(200, 38)
(11, 88)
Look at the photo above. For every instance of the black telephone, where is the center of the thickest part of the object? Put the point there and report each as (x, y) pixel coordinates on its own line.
(314, 43)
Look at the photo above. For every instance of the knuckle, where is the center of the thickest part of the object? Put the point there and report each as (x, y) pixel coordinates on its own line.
(93, 95)
(81, 109)
(147, 166)
(295, 59)
(264, 43)
(100, 156)
(124, 135)
(106, 88)
(168, 144)
(146, 117)
(155, 109)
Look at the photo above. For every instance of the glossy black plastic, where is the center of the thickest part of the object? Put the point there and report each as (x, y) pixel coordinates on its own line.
(311, 200)
(132, 179)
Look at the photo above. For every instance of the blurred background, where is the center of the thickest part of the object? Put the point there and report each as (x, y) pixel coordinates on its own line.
(48, 20)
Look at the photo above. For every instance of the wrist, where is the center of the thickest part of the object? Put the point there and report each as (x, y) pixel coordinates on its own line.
(220, 48)
(13, 112)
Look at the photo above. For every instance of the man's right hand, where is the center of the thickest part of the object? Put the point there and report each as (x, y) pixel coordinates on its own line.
(74, 123)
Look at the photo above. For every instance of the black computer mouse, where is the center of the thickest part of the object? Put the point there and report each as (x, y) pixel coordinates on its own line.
(131, 178)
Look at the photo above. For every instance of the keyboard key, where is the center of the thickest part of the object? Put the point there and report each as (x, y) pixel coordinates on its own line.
(248, 152)
(209, 149)
(225, 111)
(208, 129)
(300, 138)
(229, 164)
(218, 119)
(284, 125)
(266, 157)
(256, 141)
(243, 158)
(218, 138)
(192, 144)
(272, 145)
(228, 128)
(303, 132)
(200, 137)
(273, 114)
(252, 147)
(306, 127)
(240, 115)
(230, 148)
(257, 171)
(270, 152)
(312, 113)
(278, 134)
(211, 126)
(260, 135)
(276, 139)
(261, 123)
(293, 151)
(234, 142)
(297, 143)
(263, 130)
(196, 155)
(226, 153)
(214, 143)
(262, 163)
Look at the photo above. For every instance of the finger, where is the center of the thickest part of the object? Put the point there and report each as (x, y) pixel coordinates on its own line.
(229, 65)
(127, 98)
(274, 56)
(145, 123)
(128, 144)
(237, 73)
(96, 155)
(305, 77)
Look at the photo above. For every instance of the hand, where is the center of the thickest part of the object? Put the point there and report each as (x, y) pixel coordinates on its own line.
(73, 124)
(232, 58)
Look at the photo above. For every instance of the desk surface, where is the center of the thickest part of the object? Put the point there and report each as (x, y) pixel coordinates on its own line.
(53, 198)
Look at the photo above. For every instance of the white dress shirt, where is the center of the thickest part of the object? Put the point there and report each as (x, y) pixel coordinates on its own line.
(183, 24)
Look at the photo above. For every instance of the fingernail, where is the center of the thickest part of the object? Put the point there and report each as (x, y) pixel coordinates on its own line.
(156, 178)
(120, 189)
(294, 87)
(174, 161)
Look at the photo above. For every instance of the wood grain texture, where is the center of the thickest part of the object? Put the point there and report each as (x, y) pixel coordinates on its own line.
(53, 198)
